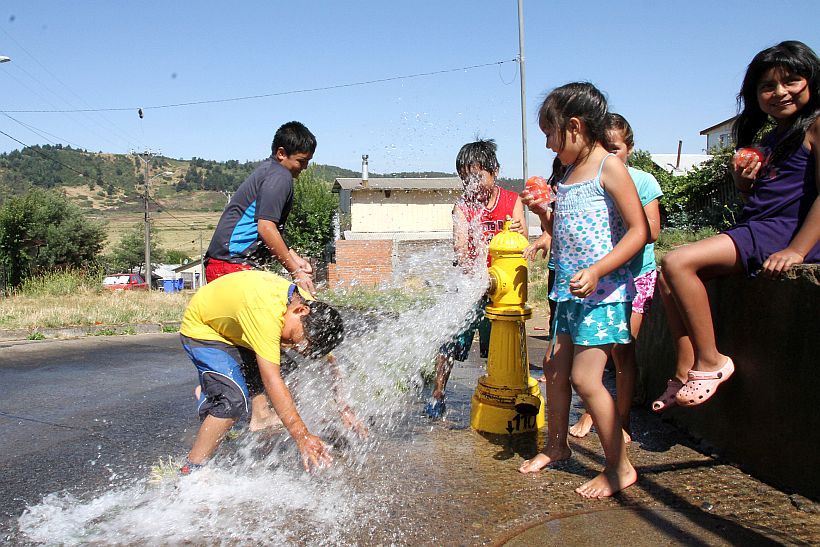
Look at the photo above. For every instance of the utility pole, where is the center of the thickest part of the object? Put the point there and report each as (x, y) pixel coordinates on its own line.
(523, 87)
(149, 277)
(147, 220)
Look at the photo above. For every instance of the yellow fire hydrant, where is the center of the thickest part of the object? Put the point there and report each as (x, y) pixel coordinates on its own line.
(507, 399)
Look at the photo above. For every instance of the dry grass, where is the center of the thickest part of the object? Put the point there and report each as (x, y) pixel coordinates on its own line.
(87, 307)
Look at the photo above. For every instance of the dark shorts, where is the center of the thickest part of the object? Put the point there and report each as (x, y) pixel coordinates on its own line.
(459, 346)
(228, 375)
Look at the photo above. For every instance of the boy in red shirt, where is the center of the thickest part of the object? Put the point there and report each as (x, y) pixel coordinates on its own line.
(483, 206)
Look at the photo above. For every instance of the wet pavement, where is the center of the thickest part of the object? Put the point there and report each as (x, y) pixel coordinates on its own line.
(440, 483)
(466, 489)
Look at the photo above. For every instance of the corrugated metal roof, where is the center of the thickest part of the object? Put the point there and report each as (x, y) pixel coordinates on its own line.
(385, 183)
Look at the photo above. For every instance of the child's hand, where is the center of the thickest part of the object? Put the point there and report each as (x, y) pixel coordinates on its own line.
(529, 200)
(746, 167)
(314, 452)
(353, 423)
(516, 226)
(531, 251)
(583, 283)
(780, 262)
(305, 281)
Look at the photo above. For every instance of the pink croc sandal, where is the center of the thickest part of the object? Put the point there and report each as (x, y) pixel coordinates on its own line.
(702, 385)
(667, 398)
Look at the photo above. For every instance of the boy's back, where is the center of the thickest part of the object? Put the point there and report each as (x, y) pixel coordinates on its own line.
(242, 309)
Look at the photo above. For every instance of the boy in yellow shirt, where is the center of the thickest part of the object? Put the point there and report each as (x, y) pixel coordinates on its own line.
(233, 330)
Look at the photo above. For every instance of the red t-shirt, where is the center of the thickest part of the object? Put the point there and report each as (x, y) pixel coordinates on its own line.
(493, 216)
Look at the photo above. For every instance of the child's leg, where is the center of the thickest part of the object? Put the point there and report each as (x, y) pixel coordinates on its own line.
(559, 396)
(208, 438)
(625, 373)
(687, 303)
(444, 365)
(587, 370)
(262, 416)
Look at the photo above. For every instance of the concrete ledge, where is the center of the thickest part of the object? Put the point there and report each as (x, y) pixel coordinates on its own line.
(91, 330)
(765, 418)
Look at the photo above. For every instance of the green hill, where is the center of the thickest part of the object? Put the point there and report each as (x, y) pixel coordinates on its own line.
(114, 182)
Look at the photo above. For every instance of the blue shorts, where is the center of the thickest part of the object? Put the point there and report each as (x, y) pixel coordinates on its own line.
(228, 375)
(594, 325)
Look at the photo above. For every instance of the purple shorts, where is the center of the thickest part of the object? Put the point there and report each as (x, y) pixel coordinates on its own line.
(645, 289)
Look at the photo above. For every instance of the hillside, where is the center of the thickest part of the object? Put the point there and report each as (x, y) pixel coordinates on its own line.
(187, 196)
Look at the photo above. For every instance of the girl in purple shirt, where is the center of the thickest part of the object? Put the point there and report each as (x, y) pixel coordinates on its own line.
(778, 227)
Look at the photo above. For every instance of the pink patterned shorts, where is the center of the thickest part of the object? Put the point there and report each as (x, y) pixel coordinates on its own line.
(645, 289)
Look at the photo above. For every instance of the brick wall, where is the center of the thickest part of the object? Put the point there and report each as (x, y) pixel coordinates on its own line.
(365, 262)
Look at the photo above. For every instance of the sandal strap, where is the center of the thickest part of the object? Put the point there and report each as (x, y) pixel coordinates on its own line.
(703, 375)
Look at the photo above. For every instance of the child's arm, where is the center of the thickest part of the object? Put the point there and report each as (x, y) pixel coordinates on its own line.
(460, 237)
(292, 262)
(809, 233)
(314, 452)
(652, 210)
(541, 244)
(616, 181)
(519, 219)
(349, 418)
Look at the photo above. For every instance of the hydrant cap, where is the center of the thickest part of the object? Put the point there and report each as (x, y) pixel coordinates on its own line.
(506, 241)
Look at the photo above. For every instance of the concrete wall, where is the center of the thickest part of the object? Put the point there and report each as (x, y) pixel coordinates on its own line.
(766, 418)
(402, 211)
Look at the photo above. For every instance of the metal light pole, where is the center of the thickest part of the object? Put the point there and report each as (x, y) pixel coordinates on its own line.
(523, 86)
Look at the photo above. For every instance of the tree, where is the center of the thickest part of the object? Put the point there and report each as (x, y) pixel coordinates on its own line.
(130, 251)
(310, 224)
(43, 231)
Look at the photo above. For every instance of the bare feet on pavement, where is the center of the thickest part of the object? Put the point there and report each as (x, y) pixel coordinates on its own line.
(582, 426)
(608, 483)
(544, 458)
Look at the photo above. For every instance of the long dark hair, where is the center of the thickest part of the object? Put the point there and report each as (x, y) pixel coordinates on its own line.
(580, 100)
(797, 58)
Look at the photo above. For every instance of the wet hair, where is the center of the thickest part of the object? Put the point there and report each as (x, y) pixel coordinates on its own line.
(795, 58)
(580, 100)
(324, 328)
(294, 138)
(616, 122)
(481, 154)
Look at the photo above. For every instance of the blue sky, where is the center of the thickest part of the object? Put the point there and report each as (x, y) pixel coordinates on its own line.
(672, 69)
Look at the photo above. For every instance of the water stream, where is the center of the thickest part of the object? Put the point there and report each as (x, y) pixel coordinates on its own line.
(254, 490)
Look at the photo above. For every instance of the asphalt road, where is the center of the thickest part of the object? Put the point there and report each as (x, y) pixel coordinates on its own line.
(77, 415)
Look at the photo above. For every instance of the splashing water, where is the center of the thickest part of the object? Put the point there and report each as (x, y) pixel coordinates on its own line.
(254, 490)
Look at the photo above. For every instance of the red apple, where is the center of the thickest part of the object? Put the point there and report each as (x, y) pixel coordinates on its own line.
(750, 155)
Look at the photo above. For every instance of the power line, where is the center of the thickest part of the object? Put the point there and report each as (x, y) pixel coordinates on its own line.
(276, 94)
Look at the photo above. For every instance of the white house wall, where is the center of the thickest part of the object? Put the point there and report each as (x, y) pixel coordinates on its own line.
(403, 211)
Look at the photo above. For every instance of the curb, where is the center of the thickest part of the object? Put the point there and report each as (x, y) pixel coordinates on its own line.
(91, 330)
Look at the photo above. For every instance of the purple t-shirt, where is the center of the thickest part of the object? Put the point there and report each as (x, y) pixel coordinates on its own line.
(776, 210)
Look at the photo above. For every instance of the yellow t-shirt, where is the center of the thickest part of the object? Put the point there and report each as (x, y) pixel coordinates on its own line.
(244, 308)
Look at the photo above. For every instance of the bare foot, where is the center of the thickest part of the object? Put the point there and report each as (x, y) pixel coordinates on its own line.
(608, 483)
(582, 426)
(269, 420)
(627, 436)
(543, 459)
